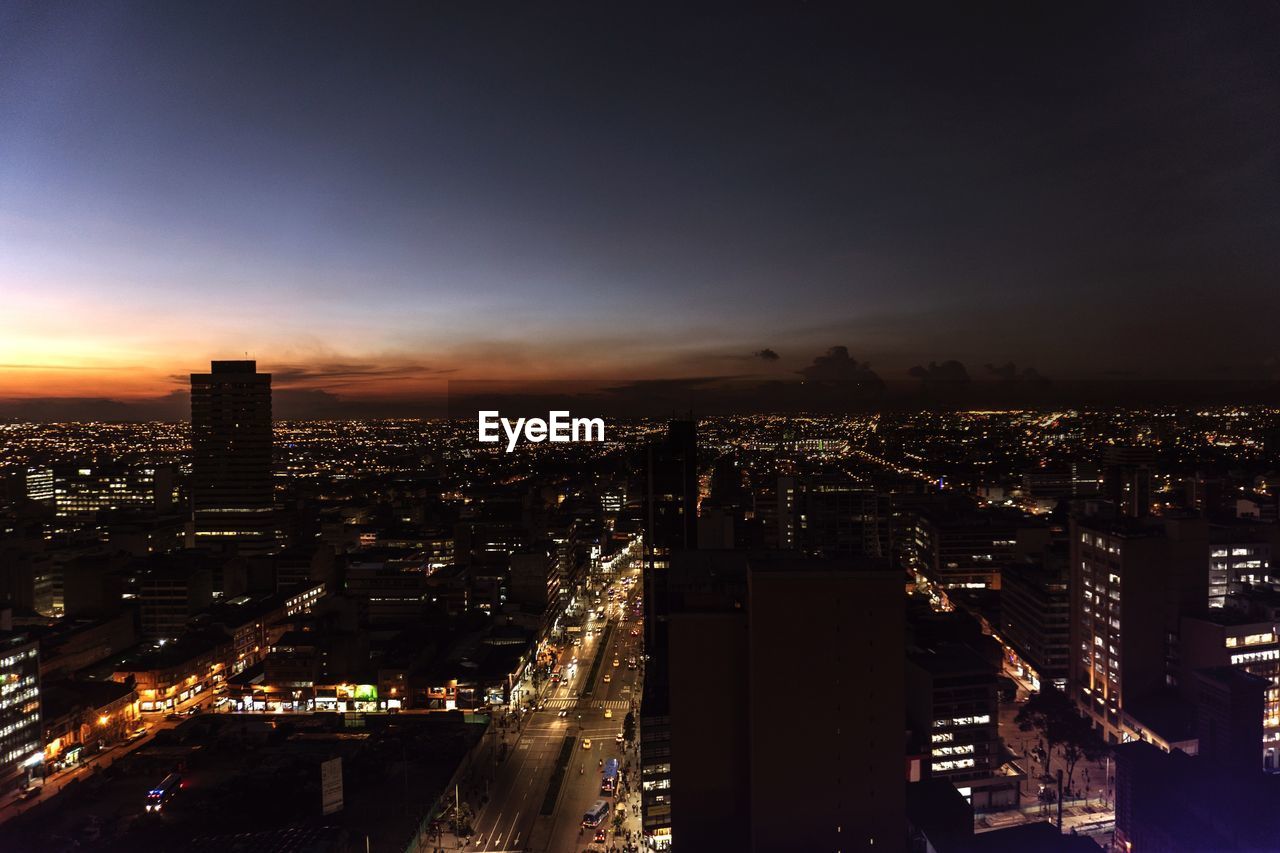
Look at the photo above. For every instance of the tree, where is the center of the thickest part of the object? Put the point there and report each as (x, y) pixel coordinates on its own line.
(462, 820)
(629, 727)
(1050, 713)
(1055, 717)
(1081, 740)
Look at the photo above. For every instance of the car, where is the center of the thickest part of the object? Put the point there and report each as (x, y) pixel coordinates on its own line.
(616, 662)
(586, 743)
(172, 717)
(618, 738)
(608, 713)
(600, 834)
(607, 678)
(564, 712)
(29, 794)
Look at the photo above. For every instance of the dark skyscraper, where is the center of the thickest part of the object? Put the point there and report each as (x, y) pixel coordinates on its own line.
(231, 489)
(1127, 479)
(735, 622)
(671, 525)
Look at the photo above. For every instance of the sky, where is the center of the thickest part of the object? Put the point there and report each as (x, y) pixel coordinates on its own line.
(375, 200)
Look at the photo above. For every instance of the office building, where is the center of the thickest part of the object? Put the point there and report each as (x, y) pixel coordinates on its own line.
(961, 548)
(170, 593)
(953, 709)
(231, 489)
(734, 781)
(535, 583)
(1126, 479)
(39, 485)
(670, 472)
(1172, 801)
(1230, 638)
(1131, 579)
(833, 517)
(1240, 554)
(1035, 614)
(20, 731)
(84, 490)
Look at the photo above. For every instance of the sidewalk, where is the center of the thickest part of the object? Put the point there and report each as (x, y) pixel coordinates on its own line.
(11, 806)
(1074, 816)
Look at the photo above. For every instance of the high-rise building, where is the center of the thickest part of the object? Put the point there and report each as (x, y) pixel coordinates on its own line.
(231, 490)
(535, 583)
(671, 524)
(952, 705)
(39, 485)
(82, 490)
(170, 593)
(1131, 579)
(20, 732)
(1230, 638)
(1240, 554)
(1035, 615)
(1126, 479)
(736, 771)
(735, 767)
(965, 548)
(738, 753)
(833, 516)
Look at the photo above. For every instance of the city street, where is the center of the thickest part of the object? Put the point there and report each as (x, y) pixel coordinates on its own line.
(510, 819)
(12, 806)
(1092, 781)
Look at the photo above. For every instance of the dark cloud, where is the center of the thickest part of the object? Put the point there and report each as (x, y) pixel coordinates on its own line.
(949, 372)
(175, 406)
(317, 404)
(338, 374)
(286, 404)
(836, 365)
(1008, 372)
(766, 354)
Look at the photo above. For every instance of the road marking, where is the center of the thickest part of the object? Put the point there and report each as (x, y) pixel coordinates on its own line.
(597, 704)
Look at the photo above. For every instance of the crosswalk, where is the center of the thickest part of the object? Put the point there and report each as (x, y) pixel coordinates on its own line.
(561, 704)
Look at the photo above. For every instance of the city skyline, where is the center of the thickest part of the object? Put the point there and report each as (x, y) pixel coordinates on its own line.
(637, 428)
(372, 205)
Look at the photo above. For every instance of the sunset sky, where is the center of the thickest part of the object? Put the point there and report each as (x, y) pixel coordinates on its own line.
(372, 203)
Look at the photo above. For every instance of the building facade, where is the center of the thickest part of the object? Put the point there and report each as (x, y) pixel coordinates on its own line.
(232, 499)
(20, 732)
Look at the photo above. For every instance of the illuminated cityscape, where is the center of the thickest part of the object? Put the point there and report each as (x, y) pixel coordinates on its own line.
(427, 588)
(639, 428)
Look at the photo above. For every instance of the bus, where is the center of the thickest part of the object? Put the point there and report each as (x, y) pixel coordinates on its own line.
(556, 675)
(609, 779)
(162, 793)
(596, 814)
